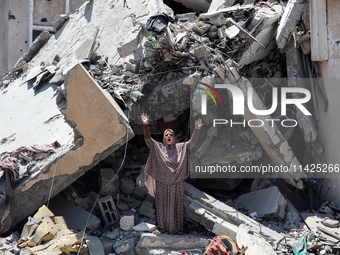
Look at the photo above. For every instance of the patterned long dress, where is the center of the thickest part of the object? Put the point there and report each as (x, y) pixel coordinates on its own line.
(166, 169)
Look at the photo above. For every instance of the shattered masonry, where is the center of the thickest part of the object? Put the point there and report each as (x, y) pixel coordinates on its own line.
(103, 78)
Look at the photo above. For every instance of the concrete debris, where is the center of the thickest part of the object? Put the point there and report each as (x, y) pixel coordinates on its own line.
(108, 182)
(85, 50)
(127, 222)
(94, 81)
(67, 164)
(60, 21)
(290, 17)
(125, 247)
(318, 224)
(228, 215)
(268, 203)
(145, 227)
(255, 243)
(127, 186)
(149, 243)
(220, 4)
(147, 209)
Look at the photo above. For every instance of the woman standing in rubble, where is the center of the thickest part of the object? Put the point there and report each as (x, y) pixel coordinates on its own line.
(165, 171)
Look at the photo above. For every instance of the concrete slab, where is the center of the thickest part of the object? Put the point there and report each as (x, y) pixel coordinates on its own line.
(268, 203)
(209, 220)
(165, 241)
(99, 124)
(227, 213)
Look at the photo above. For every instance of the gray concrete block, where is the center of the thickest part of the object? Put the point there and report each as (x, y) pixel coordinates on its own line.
(108, 210)
(268, 203)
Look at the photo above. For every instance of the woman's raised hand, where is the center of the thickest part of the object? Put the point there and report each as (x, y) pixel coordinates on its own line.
(198, 123)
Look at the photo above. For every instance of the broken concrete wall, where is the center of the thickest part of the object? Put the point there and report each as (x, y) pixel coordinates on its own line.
(46, 12)
(18, 32)
(100, 127)
(329, 122)
(4, 7)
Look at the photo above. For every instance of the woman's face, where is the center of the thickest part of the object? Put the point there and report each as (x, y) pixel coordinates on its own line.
(169, 137)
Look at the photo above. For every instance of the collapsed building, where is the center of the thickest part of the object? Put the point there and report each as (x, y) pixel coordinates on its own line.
(78, 95)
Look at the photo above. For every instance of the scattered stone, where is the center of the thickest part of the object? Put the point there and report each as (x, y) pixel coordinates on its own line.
(326, 210)
(147, 209)
(144, 227)
(113, 234)
(125, 247)
(138, 193)
(108, 182)
(330, 223)
(123, 207)
(127, 186)
(127, 222)
(259, 183)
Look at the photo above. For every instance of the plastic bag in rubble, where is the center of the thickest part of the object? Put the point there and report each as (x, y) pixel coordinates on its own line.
(300, 248)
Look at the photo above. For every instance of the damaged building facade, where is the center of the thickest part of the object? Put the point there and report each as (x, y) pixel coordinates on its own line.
(80, 92)
(23, 21)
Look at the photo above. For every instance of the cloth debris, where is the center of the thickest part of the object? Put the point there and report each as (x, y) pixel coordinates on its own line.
(158, 22)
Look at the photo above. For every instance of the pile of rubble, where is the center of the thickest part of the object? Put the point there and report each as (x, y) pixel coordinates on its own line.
(153, 72)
